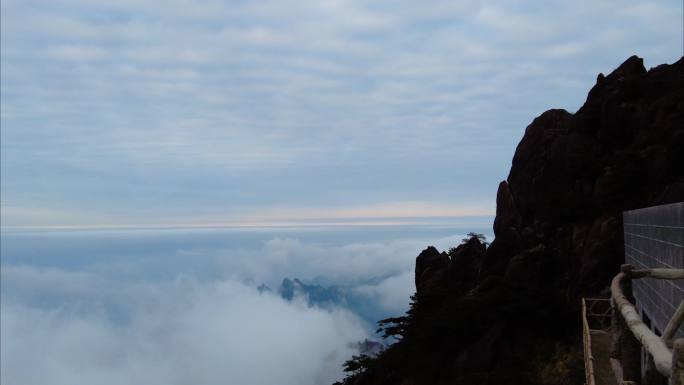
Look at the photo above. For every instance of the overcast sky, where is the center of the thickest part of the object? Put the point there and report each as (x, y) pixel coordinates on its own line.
(202, 112)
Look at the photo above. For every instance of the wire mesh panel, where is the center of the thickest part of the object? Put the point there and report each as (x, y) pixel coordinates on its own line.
(654, 238)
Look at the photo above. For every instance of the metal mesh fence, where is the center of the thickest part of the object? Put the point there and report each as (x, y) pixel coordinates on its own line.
(654, 238)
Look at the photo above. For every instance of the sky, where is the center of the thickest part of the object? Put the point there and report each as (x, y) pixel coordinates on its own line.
(203, 113)
(275, 117)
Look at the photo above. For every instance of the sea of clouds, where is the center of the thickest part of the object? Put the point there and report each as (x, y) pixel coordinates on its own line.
(183, 333)
(115, 319)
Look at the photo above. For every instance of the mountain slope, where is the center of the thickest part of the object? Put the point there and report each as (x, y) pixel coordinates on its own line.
(509, 313)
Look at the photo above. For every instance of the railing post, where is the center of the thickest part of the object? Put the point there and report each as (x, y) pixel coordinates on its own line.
(673, 324)
(626, 347)
(678, 362)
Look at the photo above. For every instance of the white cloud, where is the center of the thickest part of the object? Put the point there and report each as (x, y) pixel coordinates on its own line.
(36, 216)
(79, 53)
(349, 264)
(230, 95)
(406, 209)
(185, 333)
(156, 311)
(511, 23)
(346, 264)
(564, 50)
(392, 293)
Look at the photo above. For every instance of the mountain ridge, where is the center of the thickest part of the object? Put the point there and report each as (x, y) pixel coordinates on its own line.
(510, 312)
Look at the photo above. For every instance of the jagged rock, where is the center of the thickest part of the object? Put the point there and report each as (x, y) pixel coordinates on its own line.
(528, 266)
(507, 217)
(622, 150)
(465, 262)
(558, 234)
(429, 264)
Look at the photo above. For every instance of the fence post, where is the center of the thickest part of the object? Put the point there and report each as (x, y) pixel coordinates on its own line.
(626, 347)
(678, 362)
(673, 324)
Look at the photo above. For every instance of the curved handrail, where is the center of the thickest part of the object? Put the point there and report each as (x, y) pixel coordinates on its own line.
(657, 273)
(662, 356)
(668, 363)
(673, 325)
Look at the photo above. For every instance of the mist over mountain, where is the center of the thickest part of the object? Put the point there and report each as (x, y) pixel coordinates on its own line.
(369, 299)
(183, 306)
(314, 294)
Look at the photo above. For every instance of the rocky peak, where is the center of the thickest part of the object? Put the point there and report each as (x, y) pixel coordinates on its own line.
(428, 263)
(508, 313)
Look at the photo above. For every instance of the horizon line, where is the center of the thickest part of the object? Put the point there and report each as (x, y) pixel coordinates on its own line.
(321, 222)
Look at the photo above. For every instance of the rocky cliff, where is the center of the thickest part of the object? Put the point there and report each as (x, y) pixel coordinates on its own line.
(509, 313)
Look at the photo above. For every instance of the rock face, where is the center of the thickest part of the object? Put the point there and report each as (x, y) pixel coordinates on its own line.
(573, 175)
(430, 264)
(509, 313)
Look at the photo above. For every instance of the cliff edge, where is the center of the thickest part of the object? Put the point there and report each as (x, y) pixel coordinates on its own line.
(509, 313)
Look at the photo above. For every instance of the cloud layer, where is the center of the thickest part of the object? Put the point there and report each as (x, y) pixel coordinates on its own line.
(122, 112)
(182, 306)
(183, 333)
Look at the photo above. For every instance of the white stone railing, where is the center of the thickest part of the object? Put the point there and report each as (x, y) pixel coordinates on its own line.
(670, 363)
